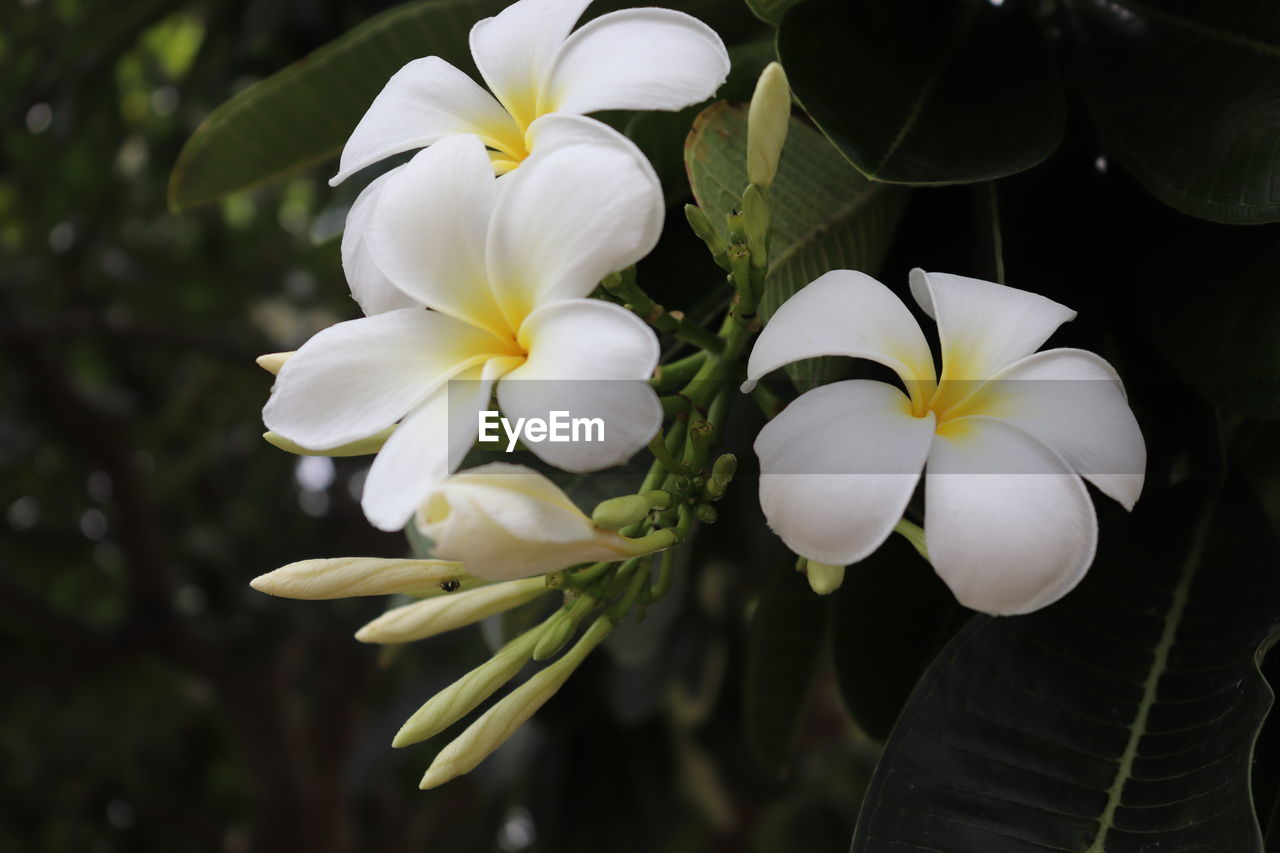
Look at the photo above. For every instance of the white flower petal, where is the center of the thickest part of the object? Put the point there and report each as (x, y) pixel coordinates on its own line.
(636, 59)
(591, 359)
(424, 101)
(845, 313)
(551, 132)
(514, 49)
(370, 287)
(983, 326)
(838, 466)
(508, 521)
(1009, 527)
(427, 232)
(566, 219)
(429, 443)
(359, 377)
(1072, 401)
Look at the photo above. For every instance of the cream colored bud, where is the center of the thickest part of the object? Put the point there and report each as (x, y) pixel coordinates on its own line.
(360, 447)
(767, 121)
(824, 579)
(461, 698)
(273, 361)
(497, 724)
(433, 616)
(506, 521)
(346, 577)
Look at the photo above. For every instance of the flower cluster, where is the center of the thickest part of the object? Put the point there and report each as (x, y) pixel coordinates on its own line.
(497, 263)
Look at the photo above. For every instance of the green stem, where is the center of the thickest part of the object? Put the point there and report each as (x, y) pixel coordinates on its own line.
(663, 455)
(997, 241)
(677, 372)
(914, 534)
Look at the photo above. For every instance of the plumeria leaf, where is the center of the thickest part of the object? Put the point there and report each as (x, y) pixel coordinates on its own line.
(1122, 719)
(917, 92)
(302, 115)
(1217, 154)
(783, 655)
(825, 215)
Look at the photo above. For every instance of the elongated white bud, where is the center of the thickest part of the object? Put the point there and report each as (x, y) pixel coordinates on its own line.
(767, 121)
(273, 361)
(436, 615)
(346, 577)
(497, 724)
(461, 698)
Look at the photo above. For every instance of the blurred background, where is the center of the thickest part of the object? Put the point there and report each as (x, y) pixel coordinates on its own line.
(152, 700)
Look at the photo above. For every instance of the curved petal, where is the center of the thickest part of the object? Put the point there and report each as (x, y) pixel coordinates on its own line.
(845, 313)
(1072, 401)
(429, 443)
(356, 378)
(838, 466)
(514, 49)
(983, 326)
(370, 288)
(566, 219)
(587, 359)
(1009, 527)
(550, 133)
(508, 521)
(635, 59)
(425, 100)
(427, 231)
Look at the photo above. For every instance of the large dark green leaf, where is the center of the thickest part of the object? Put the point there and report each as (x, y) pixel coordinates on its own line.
(784, 651)
(921, 92)
(1187, 94)
(302, 115)
(824, 214)
(1206, 294)
(1121, 720)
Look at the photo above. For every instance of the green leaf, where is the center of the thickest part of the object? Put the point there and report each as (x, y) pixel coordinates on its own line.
(770, 11)
(1206, 295)
(784, 650)
(890, 617)
(302, 116)
(824, 214)
(920, 92)
(1187, 95)
(1122, 719)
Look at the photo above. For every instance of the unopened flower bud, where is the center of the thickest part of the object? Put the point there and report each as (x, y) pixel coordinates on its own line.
(722, 471)
(273, 361)
(701, 225)
(755, 218)
(824, 579)
(617, 513)
(497, 724)
(705, 513)
(767, 121)
(345, 577)
(360, 447)
(555, 633)
(461, 698)
(436, 615)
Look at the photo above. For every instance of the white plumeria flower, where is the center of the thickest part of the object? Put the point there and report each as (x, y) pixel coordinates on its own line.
(507, 521)
(1006, 433)
(468, 277)
(635, 59)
